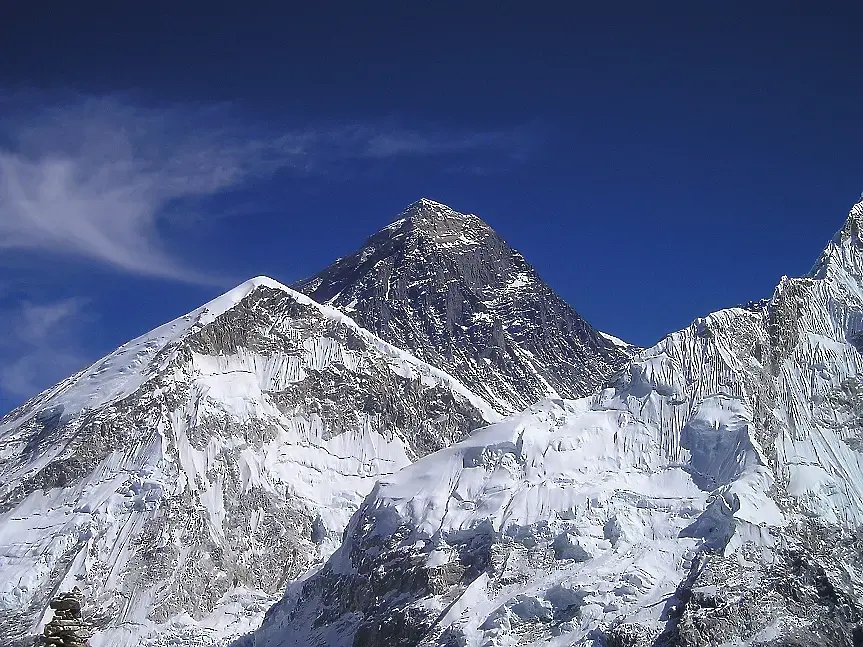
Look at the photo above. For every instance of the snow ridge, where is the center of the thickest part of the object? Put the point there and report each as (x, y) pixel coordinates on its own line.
(124, 371)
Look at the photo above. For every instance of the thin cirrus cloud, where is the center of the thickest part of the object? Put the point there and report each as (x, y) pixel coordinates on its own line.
(38, 345)
(93, 177)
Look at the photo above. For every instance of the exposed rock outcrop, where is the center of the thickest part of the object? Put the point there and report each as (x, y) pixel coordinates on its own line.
(67, 628)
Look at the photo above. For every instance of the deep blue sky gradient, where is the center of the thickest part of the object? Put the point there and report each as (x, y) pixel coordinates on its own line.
(663, 163)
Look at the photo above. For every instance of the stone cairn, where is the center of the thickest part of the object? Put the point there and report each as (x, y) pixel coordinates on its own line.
(67, 628)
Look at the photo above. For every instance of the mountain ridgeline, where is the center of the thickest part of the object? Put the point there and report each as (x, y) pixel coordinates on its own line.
(184, 480)
(712, 494)
(444, 286)
(336, 457)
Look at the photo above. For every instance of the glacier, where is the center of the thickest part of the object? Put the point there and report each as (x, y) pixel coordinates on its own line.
(711, 495)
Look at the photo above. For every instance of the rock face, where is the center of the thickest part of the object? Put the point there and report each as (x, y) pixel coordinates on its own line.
(445, 287)
(184, 479)
(712, 495)
(67, 627)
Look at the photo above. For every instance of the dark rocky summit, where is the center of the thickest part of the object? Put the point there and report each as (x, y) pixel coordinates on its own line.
(446, 287)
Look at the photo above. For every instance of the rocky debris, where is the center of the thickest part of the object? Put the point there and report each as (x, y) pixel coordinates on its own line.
(67, 628)
(807, 596)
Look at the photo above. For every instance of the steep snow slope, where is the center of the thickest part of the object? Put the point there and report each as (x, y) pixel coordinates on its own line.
(182, 480)
(711, 496)
(444, 286)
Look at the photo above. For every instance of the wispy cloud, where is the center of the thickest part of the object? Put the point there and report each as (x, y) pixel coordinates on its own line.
(513, 144)
(96, 177)
(38, 345)
(92, 179)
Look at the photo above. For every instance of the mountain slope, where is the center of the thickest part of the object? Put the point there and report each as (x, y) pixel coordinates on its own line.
(711, 496)
(444, 286)
(183, 479)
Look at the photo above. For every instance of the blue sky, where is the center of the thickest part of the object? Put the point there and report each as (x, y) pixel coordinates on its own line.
(653, 164)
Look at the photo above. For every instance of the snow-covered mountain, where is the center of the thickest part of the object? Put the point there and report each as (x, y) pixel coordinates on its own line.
(712, 495)
(445, 287)
(184, 479)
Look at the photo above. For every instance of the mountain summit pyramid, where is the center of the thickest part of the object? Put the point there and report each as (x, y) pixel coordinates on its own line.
(444, 286)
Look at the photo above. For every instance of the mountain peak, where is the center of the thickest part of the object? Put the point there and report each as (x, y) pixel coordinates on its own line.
(122, 372)
(853, 224)
(437, 224)
(445, 286)
(855, 216)
(428, 210)
(232, 297)
(844, 253)
(427, 203)
(267, 281)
